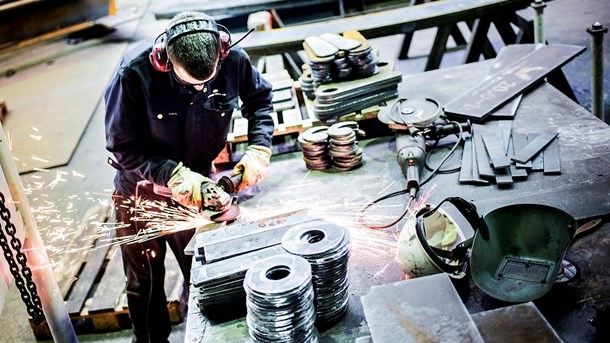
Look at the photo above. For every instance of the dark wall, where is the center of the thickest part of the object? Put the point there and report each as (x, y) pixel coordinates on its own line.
(33, 19)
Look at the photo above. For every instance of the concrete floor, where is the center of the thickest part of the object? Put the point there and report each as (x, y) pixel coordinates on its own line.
(565, 22)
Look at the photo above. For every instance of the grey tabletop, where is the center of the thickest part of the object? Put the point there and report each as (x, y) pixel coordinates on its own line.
(581, 189)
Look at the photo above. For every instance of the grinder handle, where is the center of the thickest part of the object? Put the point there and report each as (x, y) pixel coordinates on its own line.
(229, 183)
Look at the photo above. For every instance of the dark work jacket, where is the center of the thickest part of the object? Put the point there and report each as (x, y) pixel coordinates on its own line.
(153, 121)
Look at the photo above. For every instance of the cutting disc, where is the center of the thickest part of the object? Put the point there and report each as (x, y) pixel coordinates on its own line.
(227, 215)
(419, 112)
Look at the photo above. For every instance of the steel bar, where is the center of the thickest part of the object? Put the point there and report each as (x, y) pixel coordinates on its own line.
(597, 32)
(539, 6)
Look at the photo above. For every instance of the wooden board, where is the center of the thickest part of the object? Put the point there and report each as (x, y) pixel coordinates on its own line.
(96, 300)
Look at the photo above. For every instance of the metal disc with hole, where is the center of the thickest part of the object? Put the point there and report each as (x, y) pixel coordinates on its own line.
(312, 238)
(326, 246)
(417, 112)
(278, 275)
(280, 300)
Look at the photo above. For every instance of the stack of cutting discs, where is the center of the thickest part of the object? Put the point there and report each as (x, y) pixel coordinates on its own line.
(279, 300)
(326, 247)
(314, 143)
(344, 151)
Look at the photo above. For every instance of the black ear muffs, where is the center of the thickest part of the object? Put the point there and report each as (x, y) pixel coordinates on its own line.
(158, 56)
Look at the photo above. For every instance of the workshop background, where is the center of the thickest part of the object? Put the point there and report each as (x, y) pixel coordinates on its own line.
(53, 86)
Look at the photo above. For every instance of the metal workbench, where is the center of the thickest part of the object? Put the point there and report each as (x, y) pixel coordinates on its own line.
(582, 189)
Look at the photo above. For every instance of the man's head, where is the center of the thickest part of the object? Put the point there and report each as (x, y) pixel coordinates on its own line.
(194, 56)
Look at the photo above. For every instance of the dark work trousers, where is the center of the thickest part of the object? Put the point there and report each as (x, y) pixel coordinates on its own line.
(144, 267)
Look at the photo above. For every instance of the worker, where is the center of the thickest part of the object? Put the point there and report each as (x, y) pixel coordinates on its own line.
(168, 113)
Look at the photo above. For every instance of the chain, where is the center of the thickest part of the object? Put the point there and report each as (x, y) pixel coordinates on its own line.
(23, 280)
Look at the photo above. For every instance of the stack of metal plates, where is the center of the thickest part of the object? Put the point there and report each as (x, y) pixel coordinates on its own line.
(306, 82)
(280, 300)
(335, 99)
(363, 60)
(326, 246)
(223, 256)
(344, 151)
(222, 281)
(314, 143)
(321, 55)
(335, 58)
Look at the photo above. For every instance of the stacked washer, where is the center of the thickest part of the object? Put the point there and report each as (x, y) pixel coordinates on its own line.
(314, 143)
(326, 246)
(279, 300)
(335, 146)
(343, 150)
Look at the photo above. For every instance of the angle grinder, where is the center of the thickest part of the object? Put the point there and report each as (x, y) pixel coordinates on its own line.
(149, 190)
(414, 120)
(228, 184)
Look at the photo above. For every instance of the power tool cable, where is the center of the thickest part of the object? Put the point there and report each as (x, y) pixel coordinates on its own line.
(412, 191)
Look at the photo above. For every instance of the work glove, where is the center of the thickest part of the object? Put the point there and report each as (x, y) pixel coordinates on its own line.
(193, 189)
(253, 166)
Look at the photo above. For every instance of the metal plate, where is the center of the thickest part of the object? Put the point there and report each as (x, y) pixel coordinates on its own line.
(479, 102)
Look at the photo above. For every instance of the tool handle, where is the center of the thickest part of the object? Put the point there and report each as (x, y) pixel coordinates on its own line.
(229, 183)
(449, 129)
(412, 175)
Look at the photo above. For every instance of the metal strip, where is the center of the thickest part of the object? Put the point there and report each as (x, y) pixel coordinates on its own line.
(552, 164)
(495, 149)
(538, 162)
(466, 165)
(534, 147)
(518, 173)
(483, 163)
(520, 142)
(503, 177)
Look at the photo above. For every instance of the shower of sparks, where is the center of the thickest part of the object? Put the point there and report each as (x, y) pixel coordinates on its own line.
(66, 238)
(40, 159)
(75, 173)
(159, 218)
(58, 179)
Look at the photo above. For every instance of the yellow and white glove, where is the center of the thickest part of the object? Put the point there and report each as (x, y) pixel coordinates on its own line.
(253, 166)
(192, 189)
